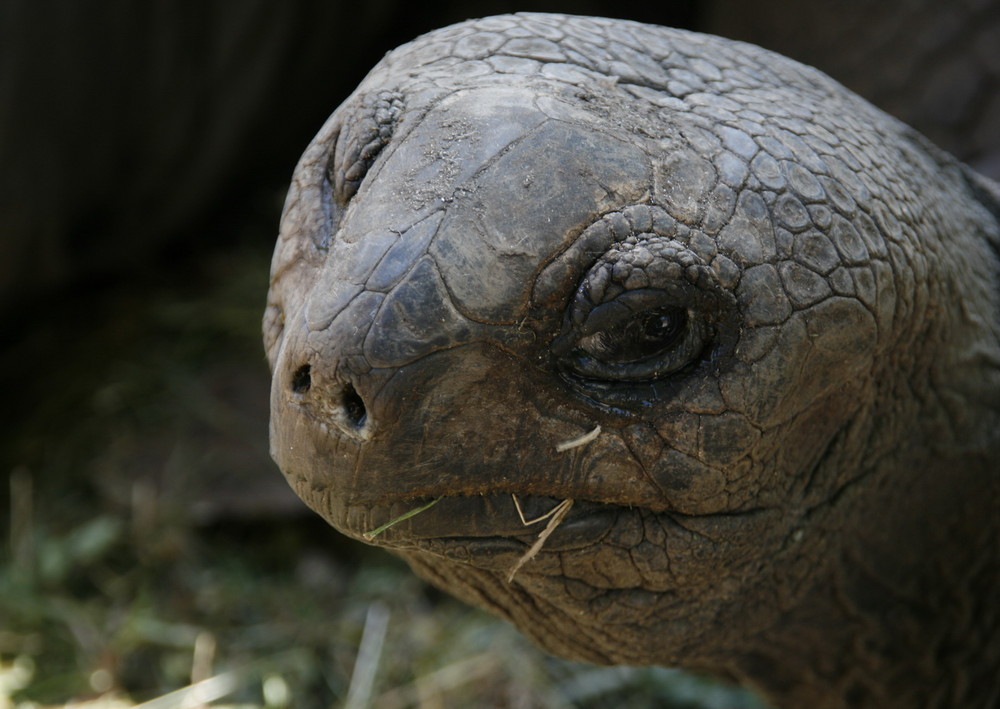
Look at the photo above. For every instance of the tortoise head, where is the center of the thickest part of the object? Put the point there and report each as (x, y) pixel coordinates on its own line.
(623, 336)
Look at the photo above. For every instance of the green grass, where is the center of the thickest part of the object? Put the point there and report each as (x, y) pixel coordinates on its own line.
(152, 555)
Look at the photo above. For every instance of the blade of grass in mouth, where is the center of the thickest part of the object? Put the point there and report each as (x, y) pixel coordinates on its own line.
(406, 515)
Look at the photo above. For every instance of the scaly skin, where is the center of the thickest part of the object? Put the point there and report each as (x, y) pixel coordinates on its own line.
(779, 305)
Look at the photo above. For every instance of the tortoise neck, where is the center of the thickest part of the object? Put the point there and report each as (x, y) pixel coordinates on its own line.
(904, 615)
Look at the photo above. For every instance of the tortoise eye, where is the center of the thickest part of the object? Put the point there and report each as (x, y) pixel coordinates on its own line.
(649, 309)
(640, 346)
(642, 336)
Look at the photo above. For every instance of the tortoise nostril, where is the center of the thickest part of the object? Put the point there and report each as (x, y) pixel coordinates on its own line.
(302, 380)
(354, 406)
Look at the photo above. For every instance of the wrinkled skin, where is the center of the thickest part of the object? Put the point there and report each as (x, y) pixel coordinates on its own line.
(779, 305)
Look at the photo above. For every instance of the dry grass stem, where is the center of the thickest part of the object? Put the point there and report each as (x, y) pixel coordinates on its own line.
(359, 692)
(558, 514)
(202, 657)
(437, 684)
(22, 525)
(204, 692)
(581, 441)
(528, 522)
(406, 515)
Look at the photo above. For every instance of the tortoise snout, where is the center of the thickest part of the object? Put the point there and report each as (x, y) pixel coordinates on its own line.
(334, 399)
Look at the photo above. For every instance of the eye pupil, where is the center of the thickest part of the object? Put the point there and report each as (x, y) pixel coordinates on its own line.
(658, 326)
(642, 336)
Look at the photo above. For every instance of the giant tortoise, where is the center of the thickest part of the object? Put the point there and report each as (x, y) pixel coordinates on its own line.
(664, 347)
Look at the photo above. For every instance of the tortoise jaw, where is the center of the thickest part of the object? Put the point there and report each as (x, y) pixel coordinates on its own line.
(499, 533)
(485, 516)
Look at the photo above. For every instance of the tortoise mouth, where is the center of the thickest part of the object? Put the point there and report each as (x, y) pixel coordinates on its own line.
(488, 531)
(505, 533)
(600, 544)
(486, 516)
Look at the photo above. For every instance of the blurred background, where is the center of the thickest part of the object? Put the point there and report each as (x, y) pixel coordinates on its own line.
(152, 554)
